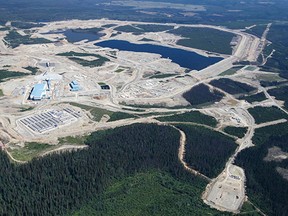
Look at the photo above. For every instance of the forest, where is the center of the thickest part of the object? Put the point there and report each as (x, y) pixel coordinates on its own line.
(14, 39)
(192, 116)
(265, 186)
(232, 87)
(254, 98)
(280, 93)
(207, 151)
(205, 39)
(201, 95)
(59, 184)
(266, 114)
(236, 131)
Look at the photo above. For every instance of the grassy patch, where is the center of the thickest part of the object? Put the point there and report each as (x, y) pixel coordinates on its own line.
(1, 93)
(97, 113)
(94, 63)
(161, 76)
(266, 114)
(102, 83)
(232, 87)
(236, 131)
(72, 140)
(30, 151)
(201, 95)
(231, 71)
(250, 68)
(193, 116)
(24, 109)
(14, 39)
(249, 209)
(119, 70)
(205, 38)
(254, 98)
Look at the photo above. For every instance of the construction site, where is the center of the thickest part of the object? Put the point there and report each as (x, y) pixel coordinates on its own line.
(73, 78)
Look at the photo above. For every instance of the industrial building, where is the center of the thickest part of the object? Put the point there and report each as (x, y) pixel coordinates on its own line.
(49, 120)
(38, 91)
(105, 87)
(74, 86)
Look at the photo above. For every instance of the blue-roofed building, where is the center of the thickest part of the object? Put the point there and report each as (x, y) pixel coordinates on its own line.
(74, 86)
(38, 91)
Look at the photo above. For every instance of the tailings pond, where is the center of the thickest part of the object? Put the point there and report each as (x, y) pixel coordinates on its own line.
(184, 58)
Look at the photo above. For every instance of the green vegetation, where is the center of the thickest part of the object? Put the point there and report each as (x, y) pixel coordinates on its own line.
(29, 151)
(94, 63)
(108, 25)
(278, 34)
(231, 71)
(232, 87)
(119, 70)
(205, 38)
(33, 70)
(97, 113)
(24, 109)
(161, 76)
(250, 68)
(236, 131)
(273, 83)
(254, 98)
(266, 188)
(207, 151)
(147, 193)
(143, 28)
(249, 209)
(4, 28)
(1, 93)
(192, 116)
(266, 114)
(234, 14)
(258, 30)
(281, 94)
(88, 30)
(63, 183)
(14, 39)
(120, 115)
(262, 135)
(5, 74)
(26, 25)
(157, 105)
(102, 83)
(201, 95)
(73, 140)
(146, 40)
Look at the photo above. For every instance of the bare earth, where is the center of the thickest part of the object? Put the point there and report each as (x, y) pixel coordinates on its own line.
(126, 73)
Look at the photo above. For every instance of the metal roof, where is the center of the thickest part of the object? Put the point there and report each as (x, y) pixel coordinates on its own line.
(38, 91)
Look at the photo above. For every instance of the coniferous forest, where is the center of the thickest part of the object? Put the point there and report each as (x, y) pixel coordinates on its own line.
(265, 186)
(62, 183)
